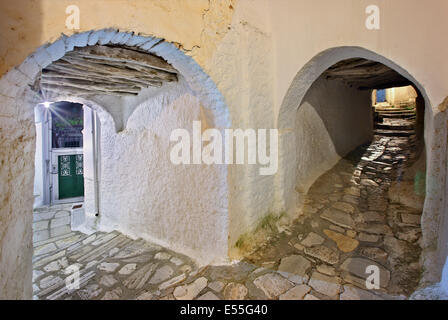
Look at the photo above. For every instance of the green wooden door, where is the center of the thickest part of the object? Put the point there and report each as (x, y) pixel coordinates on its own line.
(70, 176)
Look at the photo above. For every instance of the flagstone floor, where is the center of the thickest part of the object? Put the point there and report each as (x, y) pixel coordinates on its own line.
(348, 225)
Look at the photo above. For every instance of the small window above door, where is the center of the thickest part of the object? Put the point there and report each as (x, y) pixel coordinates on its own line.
(66, 125)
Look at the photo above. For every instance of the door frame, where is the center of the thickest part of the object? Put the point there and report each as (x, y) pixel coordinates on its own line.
(53, 166)
(91, 159)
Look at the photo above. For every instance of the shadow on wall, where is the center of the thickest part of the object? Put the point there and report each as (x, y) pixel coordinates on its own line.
(332, 120)
(20, 25)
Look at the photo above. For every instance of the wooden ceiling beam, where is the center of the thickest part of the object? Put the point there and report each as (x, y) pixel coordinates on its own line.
(117, 54)
(96, 78)
(119, 67)
(365, 74)
(385, 85)
(106, 70)
(71, 91)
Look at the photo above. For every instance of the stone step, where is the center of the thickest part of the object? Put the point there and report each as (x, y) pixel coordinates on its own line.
(394, 133)
(392, 109)
(397, 116)
(395, 111)
(393, 127)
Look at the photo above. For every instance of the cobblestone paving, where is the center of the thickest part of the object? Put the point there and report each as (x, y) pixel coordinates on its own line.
(348, 224)
(111, 265)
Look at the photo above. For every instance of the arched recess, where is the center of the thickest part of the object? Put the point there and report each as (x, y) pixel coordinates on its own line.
(286, 195)
(202, 236)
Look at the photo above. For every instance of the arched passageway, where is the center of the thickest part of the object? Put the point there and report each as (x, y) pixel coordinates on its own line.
(357, 184)
(142, 88)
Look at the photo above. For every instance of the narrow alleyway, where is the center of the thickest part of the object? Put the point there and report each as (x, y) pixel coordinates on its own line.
(348, 224)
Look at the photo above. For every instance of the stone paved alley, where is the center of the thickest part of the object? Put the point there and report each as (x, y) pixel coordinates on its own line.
(348, 224)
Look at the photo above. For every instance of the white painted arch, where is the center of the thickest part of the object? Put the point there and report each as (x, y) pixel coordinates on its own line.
(433, 225)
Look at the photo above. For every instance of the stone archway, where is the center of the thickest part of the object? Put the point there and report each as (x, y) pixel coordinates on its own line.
(17, 144)
(287, 197)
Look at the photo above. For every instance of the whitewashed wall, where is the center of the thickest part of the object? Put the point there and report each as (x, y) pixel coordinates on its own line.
(142, 194)
(39, 158)
(332, 120)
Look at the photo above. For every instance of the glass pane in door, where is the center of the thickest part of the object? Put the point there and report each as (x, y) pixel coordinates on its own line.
(66, 125)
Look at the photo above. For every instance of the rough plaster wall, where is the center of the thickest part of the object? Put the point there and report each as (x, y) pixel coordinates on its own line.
(183, 207)
(17, 141)
(423, 57)
(332, 120)
(435, 212)
(90, 165)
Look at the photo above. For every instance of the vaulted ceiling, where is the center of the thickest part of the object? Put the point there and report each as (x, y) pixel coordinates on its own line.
(105, 70)
(366, 74)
